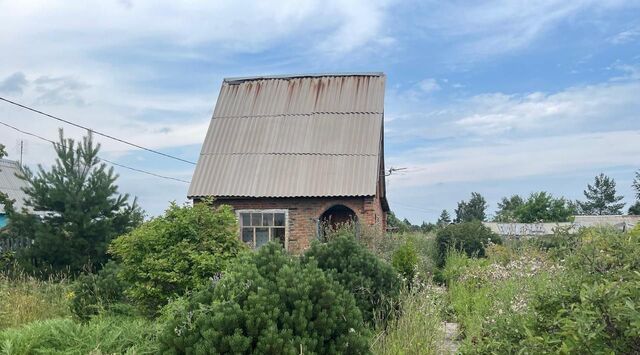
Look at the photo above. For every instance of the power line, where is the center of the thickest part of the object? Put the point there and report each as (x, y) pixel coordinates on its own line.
(102, 159)
(94, 131)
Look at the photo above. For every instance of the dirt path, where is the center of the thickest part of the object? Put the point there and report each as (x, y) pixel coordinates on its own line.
(451, 332)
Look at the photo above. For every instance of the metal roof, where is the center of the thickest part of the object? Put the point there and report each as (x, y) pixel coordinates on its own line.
(10, 184)
(294, 136)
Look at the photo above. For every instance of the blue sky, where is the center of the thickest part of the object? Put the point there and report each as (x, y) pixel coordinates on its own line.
(498, 97)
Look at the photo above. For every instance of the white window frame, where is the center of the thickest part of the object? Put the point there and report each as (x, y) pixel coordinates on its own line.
(257, 210)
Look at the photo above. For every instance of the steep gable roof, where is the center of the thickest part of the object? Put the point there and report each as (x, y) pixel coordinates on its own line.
(294, 136)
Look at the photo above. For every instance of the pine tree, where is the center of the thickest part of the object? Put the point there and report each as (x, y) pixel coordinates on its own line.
(81, 210)
(635, 208)
(474, 210)
(601, 197)
(444, 219)
(3, 151)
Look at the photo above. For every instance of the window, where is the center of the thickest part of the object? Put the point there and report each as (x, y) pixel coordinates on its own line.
(258, 227)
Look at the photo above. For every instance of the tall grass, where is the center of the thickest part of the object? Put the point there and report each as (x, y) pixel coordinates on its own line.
(24, 299)
(417, 327)
(101, 335)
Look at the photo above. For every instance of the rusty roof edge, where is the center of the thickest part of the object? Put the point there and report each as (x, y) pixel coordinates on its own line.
(241, 79)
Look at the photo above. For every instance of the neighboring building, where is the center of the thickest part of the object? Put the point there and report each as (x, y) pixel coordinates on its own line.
(290, 153)
(11, 186)
(516, 230)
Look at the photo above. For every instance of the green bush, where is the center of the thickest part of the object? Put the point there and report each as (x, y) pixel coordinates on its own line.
(469, 237)
(109, 335)
(97, 293)
(405, 260)
(176, 252)
(373, 282)
(267, 303)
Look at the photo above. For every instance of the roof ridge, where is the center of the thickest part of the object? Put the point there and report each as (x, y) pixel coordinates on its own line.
(305, 153)
(241, 79)
(305, 114)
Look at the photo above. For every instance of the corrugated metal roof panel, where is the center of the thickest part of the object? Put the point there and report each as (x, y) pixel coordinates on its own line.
(300, 134)
(285, 175)
(10, 184)
(301, 95)
(306, 135)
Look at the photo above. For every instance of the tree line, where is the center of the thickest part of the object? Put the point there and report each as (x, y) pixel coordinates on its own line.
(600, 198)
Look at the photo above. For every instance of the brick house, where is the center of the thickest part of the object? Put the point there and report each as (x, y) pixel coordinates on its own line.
(290, 153)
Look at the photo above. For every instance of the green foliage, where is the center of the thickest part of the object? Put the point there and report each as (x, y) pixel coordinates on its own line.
(373, 282)
(635, 209)
(397, 225)
(84, 211)
(507, 208)
(25, 299)
(474, 210)
(405, 260)
(3, 151)
(267, 303)
(176, 252)
(106, 335)
(93, 294)
(601, 197)
(469, 237)
(539, 207)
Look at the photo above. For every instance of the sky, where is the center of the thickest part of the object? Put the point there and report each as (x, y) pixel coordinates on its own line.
(497, 97)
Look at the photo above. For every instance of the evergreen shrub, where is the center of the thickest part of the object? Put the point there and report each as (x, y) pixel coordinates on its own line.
(266, 303)
(373, 282)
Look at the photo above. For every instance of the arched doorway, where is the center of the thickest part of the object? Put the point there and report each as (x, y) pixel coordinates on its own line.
(336, 217)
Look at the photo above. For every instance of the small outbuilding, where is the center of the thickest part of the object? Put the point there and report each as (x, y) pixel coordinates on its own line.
(293, 153)
(11, 185)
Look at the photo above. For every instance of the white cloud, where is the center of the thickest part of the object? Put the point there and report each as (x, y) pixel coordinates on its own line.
(508, 159)
(490, 27)
(626, 36)
(429, 85)
(235, 26)
(499, 113)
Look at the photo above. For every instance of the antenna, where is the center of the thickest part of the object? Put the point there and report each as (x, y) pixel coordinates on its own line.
(393, 170)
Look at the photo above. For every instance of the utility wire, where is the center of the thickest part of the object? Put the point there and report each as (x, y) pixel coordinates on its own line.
(94, 131)
(103, 159)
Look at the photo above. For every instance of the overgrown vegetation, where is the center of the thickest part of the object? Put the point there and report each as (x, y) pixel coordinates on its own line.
(177, 252)
(471, 238)
(583, 300)
(24, 299)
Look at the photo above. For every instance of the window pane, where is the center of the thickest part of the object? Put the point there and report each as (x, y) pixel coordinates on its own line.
(267, 219)
(279, 219)
(245, 219)
(256, 219)
(277, 234)
(247, 236)
(262, 236)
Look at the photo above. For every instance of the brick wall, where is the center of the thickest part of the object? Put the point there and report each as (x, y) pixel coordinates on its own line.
(305, 212)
